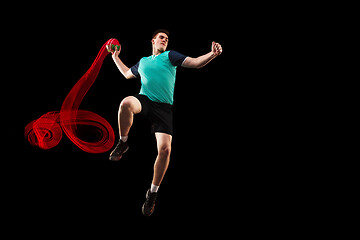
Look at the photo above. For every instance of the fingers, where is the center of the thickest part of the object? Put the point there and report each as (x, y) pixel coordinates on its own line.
(216, 47)
(117, 50)
(219, 48)
(108, 48)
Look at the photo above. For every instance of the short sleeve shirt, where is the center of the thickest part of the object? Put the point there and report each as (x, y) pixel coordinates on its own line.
(158, 75)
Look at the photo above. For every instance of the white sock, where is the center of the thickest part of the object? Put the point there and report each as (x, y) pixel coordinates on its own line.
(124, 138)
(154, 188)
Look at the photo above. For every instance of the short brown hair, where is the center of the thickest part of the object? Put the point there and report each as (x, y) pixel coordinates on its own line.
(160, 31)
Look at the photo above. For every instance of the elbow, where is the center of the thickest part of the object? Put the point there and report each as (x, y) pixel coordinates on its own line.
(199, 66)
(195, 65)
(128, 75)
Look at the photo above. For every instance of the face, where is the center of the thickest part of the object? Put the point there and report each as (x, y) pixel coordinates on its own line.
(160, 42)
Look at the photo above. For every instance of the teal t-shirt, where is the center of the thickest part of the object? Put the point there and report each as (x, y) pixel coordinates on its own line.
(158, 75)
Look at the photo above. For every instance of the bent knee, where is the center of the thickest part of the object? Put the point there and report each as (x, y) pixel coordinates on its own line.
(131, 103)
(126, 103)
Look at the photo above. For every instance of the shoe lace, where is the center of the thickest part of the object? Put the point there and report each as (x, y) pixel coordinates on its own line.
(151, 199)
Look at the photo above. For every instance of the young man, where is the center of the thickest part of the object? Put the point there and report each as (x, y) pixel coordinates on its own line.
(157, 74)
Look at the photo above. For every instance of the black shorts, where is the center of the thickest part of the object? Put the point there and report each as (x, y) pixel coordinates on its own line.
(159, 114)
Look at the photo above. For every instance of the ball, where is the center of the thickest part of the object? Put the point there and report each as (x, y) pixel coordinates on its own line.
(113, 42)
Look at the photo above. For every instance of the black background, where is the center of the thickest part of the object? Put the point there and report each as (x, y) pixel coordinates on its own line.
(224, 117)
(66, 181)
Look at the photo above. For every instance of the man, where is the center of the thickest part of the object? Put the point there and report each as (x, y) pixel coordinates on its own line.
(157, 73)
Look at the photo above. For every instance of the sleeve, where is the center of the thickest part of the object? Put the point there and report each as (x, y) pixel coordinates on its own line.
(134, 69)
(176, 58)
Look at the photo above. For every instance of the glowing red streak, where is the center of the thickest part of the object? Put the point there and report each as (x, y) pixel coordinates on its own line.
(46, 132)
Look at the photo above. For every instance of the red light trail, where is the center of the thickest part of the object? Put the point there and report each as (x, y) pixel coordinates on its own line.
(46, 132)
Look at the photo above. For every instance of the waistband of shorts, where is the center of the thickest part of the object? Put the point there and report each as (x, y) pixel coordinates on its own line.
(166, 105)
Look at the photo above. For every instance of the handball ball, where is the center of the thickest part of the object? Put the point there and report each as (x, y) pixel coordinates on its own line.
(113, 42)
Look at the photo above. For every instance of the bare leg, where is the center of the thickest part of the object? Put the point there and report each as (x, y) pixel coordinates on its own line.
(163, 158)
(128, 107)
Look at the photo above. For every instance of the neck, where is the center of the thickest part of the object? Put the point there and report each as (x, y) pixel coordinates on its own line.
(156, 52)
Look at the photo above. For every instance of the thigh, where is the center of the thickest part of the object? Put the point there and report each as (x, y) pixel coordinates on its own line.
(133, 103)
(163, 140)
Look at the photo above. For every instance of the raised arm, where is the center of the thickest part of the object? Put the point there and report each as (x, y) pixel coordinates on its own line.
(121, 66)
(201, 61)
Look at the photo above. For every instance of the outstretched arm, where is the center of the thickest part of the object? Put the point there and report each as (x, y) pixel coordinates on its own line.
(121, 66)
(201, 61)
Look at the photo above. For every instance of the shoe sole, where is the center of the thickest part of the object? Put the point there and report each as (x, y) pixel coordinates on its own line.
(143, 212)
(114, 160)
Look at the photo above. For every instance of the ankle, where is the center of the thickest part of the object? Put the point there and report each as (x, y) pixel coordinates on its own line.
(154, 188)
(124, 138)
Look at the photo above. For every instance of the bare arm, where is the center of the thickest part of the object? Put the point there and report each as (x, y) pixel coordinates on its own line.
(201, 61)
(121, 66)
